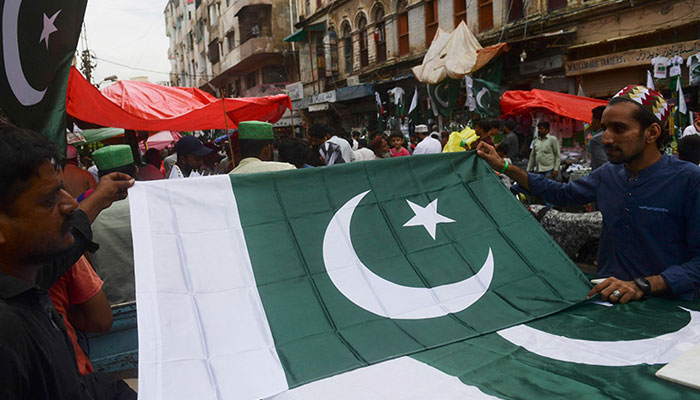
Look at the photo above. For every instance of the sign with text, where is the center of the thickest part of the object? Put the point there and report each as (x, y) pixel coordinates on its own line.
(631, 58)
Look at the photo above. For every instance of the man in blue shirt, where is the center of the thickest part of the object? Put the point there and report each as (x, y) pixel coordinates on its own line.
(650, 202)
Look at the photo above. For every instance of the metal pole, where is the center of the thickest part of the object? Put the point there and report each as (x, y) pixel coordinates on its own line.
(311, 62)
(228, 134)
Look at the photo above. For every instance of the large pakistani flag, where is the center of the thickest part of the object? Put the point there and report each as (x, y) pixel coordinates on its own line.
(38, 43)
(591, 351)
(250, 285)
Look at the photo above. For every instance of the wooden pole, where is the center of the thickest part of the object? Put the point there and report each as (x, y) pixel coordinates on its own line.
(228, 134)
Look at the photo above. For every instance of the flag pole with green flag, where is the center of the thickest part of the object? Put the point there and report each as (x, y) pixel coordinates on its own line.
(39, 39)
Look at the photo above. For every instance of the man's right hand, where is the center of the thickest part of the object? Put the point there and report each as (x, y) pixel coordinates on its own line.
(490, 155)
(110, 188)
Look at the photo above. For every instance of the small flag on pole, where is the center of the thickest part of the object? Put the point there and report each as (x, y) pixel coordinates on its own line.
(650, 80)
(414, 102)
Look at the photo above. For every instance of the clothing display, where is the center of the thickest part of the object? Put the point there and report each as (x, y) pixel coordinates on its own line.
(674, 66)
(660, 65)
(693, 63)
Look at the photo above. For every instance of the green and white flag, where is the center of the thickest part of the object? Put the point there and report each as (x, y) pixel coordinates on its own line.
(39, 38)
(248, 285)
(444, 96)
(486, 96)
(587, 352)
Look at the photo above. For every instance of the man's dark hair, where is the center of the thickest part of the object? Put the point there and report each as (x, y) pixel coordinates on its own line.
(487, 124)
(21, 153)
(645, 119)
(318, 131)
(293, 151)
(152, 157)
(355, 133)
(396, 134)
(598, 112)
(252, 147)
(689, 149)
(346, 135)
(503, 147)
(124, 169)
(509, 124)
(544, 124)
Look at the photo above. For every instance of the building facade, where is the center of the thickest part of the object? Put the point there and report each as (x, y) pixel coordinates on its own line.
(232, 46)
(594, 46)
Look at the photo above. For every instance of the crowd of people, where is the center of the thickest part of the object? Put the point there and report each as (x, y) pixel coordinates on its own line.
(53, 216)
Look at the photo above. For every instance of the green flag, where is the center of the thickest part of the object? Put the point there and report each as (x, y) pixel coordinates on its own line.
(39, 38)
(444, 95)
(486, 88)
(253, 284)
(587, 352)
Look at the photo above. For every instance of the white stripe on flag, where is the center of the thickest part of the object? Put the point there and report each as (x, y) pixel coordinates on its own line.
(402, 378)
(202, 328)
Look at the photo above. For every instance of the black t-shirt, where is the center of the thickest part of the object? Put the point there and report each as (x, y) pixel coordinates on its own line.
(37, 360)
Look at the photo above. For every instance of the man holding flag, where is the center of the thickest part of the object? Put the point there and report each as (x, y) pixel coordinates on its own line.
(641, 210)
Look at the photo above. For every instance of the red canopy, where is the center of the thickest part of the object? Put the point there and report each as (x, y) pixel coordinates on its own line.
(149, 107)
(521, 102)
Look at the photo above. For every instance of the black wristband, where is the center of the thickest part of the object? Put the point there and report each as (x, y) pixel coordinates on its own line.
(644, 285)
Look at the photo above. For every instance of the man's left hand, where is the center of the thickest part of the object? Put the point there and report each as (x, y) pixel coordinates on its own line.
(555, 173)
(617, 291)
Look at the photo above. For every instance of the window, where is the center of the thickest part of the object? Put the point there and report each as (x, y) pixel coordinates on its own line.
(364, 51)
(213, 51)
(318, 4)
(379, 34)
(250, 80)
(485, 15)
(431, 21)
(308, 7)
(318, 38)
(228, 3)
(515, 8)
(460, 11)
(213, 17)
(197, 3)
(254, 21)
(556, 4)
(199, 30)
(347, 47)
(275, 74)
(403, 29)
(332, 46)
(231, 39)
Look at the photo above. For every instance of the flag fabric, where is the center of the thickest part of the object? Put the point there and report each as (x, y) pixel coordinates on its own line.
(580, 92)
(591, 351)
(486, 88)
(414, 102)
(469, 85)
(247, 286)
(650, 80)
(444, 96)
(682, 106)
(38, 41)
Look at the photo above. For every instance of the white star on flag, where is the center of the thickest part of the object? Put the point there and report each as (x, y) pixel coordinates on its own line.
(427, 217)
(49, 28)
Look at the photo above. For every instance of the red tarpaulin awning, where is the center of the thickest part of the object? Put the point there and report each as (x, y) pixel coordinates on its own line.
(522, 102)
(149, 107)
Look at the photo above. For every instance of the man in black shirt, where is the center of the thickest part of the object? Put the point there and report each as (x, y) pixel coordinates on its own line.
(42, 233)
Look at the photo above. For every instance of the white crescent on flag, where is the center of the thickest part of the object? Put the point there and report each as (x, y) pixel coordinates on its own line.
(382, 297)
(23, 91)
(659, 350)
(480, 95)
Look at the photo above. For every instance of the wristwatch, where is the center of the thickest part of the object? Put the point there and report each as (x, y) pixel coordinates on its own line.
(644, 285)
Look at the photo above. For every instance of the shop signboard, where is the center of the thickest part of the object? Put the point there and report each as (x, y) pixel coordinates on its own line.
(631, 58)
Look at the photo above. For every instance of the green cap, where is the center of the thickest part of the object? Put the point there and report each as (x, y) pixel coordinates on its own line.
(114, 156)
(255, 130)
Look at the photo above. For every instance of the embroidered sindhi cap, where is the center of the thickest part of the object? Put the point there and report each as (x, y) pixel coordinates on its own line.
(650, 100)
(114, 156)
(255, 130)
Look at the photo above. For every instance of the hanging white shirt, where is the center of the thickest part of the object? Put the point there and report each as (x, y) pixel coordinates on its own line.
(659, 64)
(674, 64)
(428, 145)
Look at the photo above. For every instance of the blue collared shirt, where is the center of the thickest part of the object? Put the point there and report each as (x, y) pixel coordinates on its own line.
(651, 224)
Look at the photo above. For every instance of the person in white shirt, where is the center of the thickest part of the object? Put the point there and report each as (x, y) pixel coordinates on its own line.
(427, 144)
(190, 157)
(694, 128)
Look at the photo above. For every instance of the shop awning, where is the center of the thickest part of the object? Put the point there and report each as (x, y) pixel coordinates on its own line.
(302, 34)
(523, 102)
(146, 106)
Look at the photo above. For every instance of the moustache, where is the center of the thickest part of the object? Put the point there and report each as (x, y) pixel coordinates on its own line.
(615, 148)
(68, 222)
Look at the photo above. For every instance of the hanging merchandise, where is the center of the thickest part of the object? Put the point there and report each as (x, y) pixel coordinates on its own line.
(659, 63)
(399, 101)
(414, 102)
(469, 84)
(693, 64)
(486, 90)
(444, 96)
(674, 71)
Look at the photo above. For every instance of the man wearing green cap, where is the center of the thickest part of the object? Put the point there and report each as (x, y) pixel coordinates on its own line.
(255, 143)
(115, 158)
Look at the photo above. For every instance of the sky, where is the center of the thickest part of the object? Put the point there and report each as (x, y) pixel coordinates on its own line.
(127, 32)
